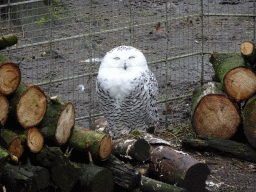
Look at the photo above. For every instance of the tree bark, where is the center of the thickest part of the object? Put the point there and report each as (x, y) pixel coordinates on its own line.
(213, 113)
(248, 51)
(172, 166)
(231, 70)
(249, 120)
(10, 77)
(8, 40)
(35, 140)
(98, 143)
(58, 121)
(136, 149)
(221, 146)
(4, 106)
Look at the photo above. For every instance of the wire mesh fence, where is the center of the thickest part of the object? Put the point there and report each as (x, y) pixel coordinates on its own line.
(61, 44)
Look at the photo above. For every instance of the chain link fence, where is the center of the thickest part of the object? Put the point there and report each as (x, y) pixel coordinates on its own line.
(61, 44)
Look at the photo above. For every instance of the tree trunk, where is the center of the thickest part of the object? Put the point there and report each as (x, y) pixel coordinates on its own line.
(221, 146)
(230, 69)
(151, 185)
(4, 106)
(249, 120)
(35, 140)
(10, 77)
(98, 143)
(213, 113)
(124, 174)
(137, 149)
(94, 178)
(8, 41)
(248, 51)
(172, 166)
(58, 121)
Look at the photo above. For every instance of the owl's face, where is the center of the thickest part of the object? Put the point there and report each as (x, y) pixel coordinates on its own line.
(124, 58)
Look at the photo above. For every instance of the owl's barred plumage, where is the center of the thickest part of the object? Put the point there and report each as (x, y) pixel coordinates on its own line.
(127, 91)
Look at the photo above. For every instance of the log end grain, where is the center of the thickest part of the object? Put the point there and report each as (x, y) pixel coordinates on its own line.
(105, 147)
(10, 77)
(240, 83)
(247, 48)
(4, 106)
(35, 140)
(16, 147)
(217, 116)
(31, 107)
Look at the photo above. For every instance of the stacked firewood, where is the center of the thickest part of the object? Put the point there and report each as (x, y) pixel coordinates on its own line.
(220, 108)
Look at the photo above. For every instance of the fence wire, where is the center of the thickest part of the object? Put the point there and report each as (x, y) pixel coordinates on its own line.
(61, 44)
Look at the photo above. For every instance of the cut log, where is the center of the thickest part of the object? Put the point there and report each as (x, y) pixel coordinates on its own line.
(98, 143)
(230, 69)
(221, 146)
(10, 77)
(248, 51)
(124, 174)
(151, 185)
(94, 178)
(4, 106)
(58, 121)
(172, 166)
(136, 149)
(63, 173)
(213, 113)
(5, 157)
(35, 140)
(8, 40)
(32, 178)
(249, 120)
(27, 106)
(15, 143)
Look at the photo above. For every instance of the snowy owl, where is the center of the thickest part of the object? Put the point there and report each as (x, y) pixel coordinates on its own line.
(127, 91)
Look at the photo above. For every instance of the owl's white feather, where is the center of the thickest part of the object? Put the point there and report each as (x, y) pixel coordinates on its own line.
(127, 91)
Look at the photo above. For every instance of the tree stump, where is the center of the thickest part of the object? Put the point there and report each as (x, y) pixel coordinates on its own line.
(249, 120)
(10, 77)
(230, 69)
(4, 106)
(213, 113)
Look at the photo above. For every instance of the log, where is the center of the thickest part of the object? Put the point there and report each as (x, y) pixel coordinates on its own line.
(10, 77)
(152, 185)
(222, 147)
(213, 113)
(249, 120)
(98, 143)
(14, 142)
(63, 173)
(35, 140)
(27, 106)
(136, 149)
(59, 121)
(231, 70)
(5, 157)
(4, 106)
(32, 178)
(176, 167)
(8, 40)
(248, 52)
(94, 178)
(124, 174)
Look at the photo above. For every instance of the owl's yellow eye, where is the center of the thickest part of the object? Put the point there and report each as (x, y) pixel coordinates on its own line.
(117, 58)
(132, 57)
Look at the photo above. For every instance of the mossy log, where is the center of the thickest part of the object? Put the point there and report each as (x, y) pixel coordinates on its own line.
(8, 40)
(172, 166)
(5, 157)
(29, 178)
(248, 51)
(249, 120)
(27, 106)
(231, 70)
(58, 121)
(221, 146)
(10, 77)
(63, 173)
(35, 140)
(4, 106)
(136, 149)
(124, 174)
(213, 112)
(98, 143)
(152, 185)
(94, 178)
(14, 142)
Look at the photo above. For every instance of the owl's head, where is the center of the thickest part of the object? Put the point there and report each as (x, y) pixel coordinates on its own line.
(124, 58)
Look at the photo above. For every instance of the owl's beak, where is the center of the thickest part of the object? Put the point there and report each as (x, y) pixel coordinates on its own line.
(125, 67)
